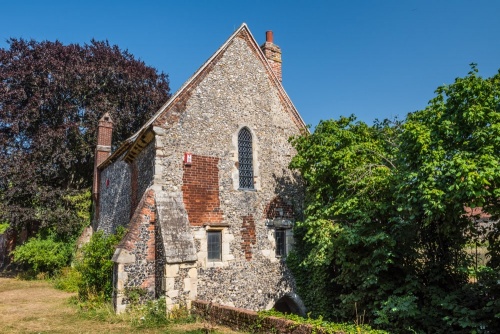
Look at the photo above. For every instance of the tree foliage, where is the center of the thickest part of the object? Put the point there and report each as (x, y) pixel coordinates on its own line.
(51, 98)
(387, 214)
(349, 168)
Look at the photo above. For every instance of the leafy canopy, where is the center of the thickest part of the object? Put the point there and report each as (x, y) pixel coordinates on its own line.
(388, 214)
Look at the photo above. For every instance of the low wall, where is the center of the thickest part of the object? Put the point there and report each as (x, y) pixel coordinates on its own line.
(246, 320)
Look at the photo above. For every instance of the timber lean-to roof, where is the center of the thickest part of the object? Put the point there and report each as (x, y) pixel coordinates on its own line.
(141, 138)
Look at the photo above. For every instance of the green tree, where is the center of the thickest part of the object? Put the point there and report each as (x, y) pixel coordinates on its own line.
(450, 160)
(349, 169)
(387, 225)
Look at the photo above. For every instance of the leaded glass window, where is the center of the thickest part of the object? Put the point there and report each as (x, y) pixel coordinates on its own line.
(214, 245)
(280, 236)
(245, 159)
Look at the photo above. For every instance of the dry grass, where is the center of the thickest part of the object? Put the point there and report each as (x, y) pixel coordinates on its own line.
(36, 307)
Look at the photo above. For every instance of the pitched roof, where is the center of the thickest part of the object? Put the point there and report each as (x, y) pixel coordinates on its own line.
(143, 136)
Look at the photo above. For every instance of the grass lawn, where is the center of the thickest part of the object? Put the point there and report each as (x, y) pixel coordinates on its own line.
(36, 307)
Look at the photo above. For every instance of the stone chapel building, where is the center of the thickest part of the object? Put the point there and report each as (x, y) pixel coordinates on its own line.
(203, 187)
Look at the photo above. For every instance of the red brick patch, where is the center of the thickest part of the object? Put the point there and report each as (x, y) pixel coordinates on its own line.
(248, 236)
(277, 208)
(200, 191)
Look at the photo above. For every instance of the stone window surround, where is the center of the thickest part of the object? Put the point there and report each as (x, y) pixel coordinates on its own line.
(288, 242)
(255, 157)
(200, 234)
(280, 237)
(215, 243)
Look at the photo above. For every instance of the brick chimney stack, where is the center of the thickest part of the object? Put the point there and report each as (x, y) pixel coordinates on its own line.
(102, 151)
(272, 53)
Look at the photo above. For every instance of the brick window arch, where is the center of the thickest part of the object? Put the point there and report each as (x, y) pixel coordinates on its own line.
(245, 159)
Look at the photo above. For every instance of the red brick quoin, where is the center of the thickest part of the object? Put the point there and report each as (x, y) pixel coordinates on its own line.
(144, 216)
(200, 189)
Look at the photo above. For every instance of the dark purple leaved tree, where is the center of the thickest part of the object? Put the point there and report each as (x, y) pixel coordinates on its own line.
(51, 98)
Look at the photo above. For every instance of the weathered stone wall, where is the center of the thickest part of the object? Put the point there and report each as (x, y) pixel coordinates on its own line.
(136, 254)
(122, 186)
(159, 263)
(180, 284)
(145, 169)
(140, 241)
(235, 92)
(176, 249)
(114, 197)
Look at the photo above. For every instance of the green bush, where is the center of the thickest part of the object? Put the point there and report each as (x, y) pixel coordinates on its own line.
(96, 267)
(153, 314)
(324, 326)
(68, 279)
(44, 255)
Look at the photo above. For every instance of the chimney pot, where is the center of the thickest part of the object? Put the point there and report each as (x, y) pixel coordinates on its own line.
(269, 36)
(272, 52)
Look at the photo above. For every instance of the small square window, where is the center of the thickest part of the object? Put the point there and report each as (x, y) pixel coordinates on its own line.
(214, 245)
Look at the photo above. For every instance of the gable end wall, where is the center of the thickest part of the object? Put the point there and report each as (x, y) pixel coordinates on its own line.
(234, 91)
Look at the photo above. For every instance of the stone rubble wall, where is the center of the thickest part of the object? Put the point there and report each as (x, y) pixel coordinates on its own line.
(140, 241)
(160, 263)
(181, 283)
(176, 252)
(122, 186)
(135, 255)
(233, 93)
(126, 201)
(145, 169)
(114, 197)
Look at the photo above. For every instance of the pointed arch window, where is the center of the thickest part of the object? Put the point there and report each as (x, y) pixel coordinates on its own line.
(245, 159)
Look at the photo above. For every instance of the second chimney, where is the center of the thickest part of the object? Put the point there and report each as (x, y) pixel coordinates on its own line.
(102, 152)
(273, 54)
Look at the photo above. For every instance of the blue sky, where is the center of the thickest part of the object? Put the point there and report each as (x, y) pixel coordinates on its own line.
(374, 59)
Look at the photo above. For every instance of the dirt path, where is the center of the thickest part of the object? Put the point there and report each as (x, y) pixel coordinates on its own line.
(36, 307)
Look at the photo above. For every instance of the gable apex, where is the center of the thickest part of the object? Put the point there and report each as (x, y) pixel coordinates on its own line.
(241, 32)
(134, 144)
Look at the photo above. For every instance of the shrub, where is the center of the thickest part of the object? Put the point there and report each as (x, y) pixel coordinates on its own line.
(68, 279)
(150, 315)
(323, 326)
(96, 267)
(44, 255)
